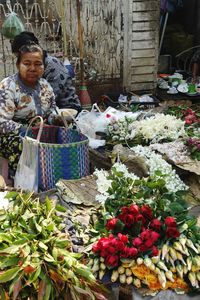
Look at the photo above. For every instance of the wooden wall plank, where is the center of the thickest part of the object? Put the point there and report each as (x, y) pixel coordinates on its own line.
(142, 70)
(140, 26)
(143, 86)
(143, 44)
(143, 61)
(143, 53)
(145, 6)
(142, 78)
(144, 35)
(145, 16)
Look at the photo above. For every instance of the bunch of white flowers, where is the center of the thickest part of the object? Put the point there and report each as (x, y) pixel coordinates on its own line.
(153, 129)
(120, 130)
(155, 163)
(159, 127)
(103, 183)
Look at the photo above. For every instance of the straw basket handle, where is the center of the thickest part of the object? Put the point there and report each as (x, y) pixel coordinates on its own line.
(40, 129)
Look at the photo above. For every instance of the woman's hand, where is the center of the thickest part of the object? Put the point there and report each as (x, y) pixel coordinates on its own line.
(58, 121)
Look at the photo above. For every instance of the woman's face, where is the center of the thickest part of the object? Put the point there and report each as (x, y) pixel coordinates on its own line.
(31, 67)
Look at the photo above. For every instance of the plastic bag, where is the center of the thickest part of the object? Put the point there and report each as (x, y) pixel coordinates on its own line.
(12, 26)
(92, 121)
(26, 176)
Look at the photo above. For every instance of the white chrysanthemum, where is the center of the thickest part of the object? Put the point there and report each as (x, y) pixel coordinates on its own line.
(155, 163)
(103, 183)
(159, 127)
(122, 168)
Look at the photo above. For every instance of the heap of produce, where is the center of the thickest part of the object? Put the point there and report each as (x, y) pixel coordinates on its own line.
(36, 261)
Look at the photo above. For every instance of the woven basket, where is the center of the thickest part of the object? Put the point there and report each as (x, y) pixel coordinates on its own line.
(63, 153)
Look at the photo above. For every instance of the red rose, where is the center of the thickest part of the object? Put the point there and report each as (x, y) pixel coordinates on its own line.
(123, 238)
(111, 250)
(143, 248)
(110, 225)
(125, 252)
(133, 251)
(145, 234)
(128, 220)
(140, 218)
(120, 246)
(155, 224)
(112, 260)
(154, 236)
(149, 243)
(147, 212)
(134, 209)
(104, 243)
(137, 242)
(155, 251)
(125, 210)
(170, 222)
(103, 253)
(172, 232)
(95, 247)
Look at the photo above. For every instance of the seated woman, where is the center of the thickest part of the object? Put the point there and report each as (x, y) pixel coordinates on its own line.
(23, 96)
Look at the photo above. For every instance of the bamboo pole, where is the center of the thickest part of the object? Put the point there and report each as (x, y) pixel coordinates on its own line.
(64, 25)
(80, 39)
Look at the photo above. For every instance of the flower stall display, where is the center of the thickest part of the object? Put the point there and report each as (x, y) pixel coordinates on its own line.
(159, 127)
(147, 238)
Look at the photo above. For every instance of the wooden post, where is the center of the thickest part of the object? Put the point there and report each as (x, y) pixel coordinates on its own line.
(84, 95)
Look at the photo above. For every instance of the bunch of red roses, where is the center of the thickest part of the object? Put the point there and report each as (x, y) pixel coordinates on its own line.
(123, 243)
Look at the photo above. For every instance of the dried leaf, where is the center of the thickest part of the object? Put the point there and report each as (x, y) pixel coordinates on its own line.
(41, 290)
(17, 288)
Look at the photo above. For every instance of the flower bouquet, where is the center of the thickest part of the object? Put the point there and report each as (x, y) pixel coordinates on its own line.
(147, 238)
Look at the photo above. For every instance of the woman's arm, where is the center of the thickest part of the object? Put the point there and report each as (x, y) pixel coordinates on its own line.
(7, 107)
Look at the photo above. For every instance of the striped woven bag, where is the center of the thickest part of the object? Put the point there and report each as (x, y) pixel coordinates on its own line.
(63, 154)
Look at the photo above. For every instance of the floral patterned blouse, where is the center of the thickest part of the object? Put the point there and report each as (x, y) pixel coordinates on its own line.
(19, 103)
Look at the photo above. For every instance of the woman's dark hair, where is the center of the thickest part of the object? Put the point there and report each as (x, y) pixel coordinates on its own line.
(24, 38)
(28, 49)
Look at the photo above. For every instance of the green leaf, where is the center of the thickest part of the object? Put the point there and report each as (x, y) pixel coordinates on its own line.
(11, 195)
(8, 261)
(48, 291)
(48, 204)
(4, 237)
(9, 274)
(3, 294)
(60, 208)
(43, 246)
(11, 250)
(34, 276)
(191, 222)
